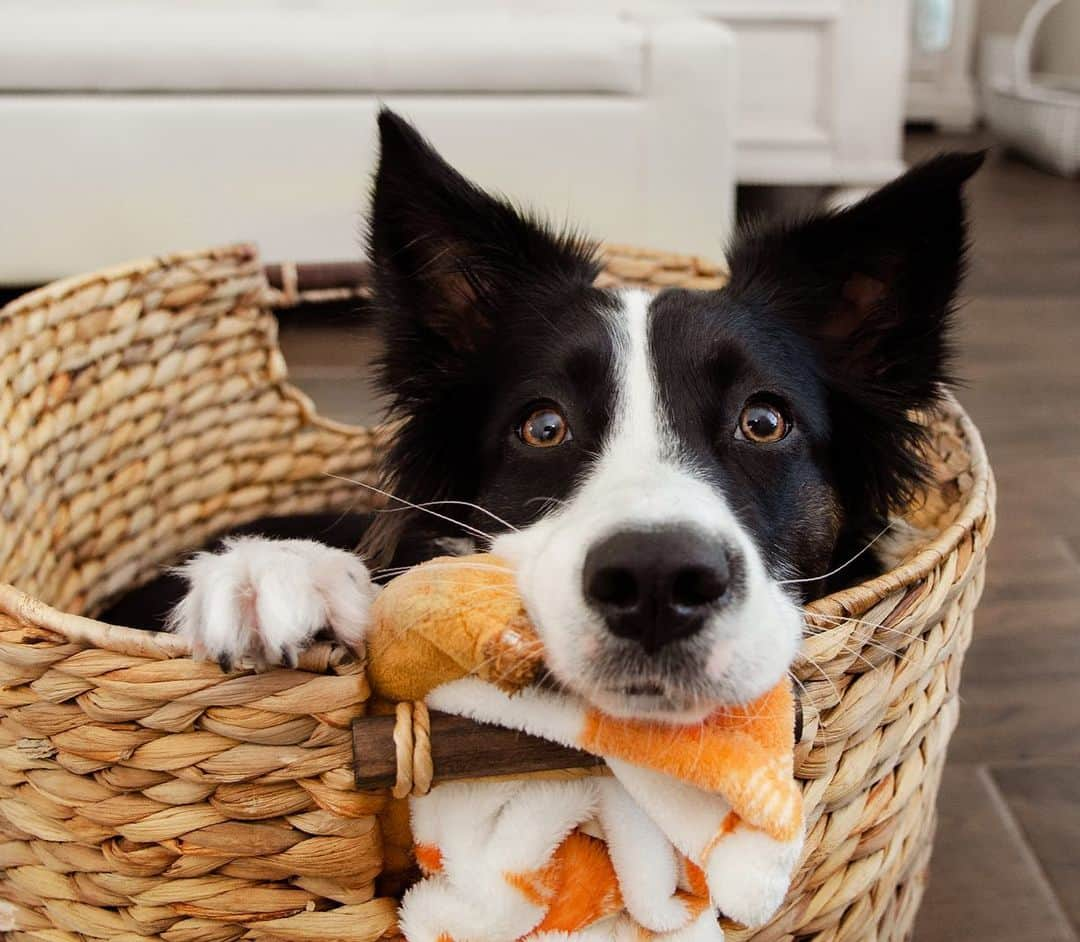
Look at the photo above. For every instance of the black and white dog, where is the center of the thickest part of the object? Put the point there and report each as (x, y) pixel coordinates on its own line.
(670, 475)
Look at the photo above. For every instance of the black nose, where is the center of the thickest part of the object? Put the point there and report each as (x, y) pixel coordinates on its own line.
(656, 586)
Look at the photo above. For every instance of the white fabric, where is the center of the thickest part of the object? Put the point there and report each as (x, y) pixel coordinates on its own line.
(488, 834)
(109, 46)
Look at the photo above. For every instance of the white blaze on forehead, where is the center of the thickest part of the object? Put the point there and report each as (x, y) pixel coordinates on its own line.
(638, 479)
(639, 433)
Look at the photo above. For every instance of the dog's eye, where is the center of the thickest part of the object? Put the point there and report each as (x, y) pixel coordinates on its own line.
(544, 427)
(762, 423)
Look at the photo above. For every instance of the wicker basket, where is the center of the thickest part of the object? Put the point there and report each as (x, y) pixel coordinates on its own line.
(144, 795)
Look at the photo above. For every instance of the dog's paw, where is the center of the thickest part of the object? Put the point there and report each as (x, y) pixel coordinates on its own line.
(263, 601)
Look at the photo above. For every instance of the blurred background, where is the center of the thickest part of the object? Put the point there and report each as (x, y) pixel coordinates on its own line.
(133, 128)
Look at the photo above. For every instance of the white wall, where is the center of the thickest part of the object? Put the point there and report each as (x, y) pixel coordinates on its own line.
(1058, 48)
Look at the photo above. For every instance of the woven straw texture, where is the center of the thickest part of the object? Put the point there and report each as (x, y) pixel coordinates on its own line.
(144, 795)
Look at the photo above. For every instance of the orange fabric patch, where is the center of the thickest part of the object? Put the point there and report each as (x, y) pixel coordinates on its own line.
(743, 753)
(695, 878)
(727, 826)
(696, 897)
(429, 857)
(578, 886)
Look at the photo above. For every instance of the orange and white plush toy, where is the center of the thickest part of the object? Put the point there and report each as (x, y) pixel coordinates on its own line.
(693, 819)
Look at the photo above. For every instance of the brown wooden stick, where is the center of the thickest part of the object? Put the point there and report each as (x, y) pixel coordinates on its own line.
(460, 748)
(463, 748)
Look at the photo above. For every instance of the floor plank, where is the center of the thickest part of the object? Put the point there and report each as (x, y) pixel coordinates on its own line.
(985, 883)
(1045, 801)
(1020, 691)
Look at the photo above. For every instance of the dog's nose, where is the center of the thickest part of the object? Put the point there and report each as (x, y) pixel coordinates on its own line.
(656, 586)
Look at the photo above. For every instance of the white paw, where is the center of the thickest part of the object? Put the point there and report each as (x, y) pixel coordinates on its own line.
(263, 600)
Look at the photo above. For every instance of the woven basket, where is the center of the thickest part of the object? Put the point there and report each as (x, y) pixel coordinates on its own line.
(144, 795)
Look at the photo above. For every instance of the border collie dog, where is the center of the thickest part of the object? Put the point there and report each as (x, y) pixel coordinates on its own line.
(670, 475)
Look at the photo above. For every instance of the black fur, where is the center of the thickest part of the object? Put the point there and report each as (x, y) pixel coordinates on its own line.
(473, 299)
(842, 318)
(883, 350)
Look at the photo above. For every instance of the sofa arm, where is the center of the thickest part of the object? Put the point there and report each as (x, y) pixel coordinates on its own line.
(690, 148)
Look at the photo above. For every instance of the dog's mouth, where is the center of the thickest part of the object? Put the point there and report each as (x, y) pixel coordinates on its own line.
(639, 690)
(651, 701)
(647, 695)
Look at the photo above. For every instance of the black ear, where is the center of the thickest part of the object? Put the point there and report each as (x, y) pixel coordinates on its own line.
(444, 250)
(451, 263)
(874, 286)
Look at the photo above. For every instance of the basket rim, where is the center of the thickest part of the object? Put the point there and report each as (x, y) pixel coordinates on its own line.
(63, 288)
(856, 599)
(845, 603)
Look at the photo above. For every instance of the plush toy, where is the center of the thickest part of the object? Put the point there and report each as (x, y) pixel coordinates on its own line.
(690, 819)
(451, 617)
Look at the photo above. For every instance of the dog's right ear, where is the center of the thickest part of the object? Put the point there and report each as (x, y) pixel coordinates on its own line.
(445, 251)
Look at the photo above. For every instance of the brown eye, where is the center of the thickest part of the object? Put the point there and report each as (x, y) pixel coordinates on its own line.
(544, 427)
(762, 423)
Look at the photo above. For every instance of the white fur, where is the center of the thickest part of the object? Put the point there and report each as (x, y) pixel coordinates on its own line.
(500, 834)
(262, 601)
(623, 929)
(532, 710)
(487, 830)
(643, 858)
(749, 874)
(640, 480)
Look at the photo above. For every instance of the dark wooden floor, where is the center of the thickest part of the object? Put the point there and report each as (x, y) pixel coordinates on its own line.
(1007, 859)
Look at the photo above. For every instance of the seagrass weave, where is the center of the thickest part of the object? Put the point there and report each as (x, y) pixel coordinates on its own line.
(144, 795)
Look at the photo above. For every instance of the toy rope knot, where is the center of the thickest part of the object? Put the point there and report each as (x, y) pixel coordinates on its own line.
(412, 746)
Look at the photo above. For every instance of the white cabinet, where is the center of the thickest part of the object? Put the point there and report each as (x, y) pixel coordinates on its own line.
(821, 88)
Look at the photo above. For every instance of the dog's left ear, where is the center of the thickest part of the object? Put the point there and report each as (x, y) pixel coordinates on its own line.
(873, 285)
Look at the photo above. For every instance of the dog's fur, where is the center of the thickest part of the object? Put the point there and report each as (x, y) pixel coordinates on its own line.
(838, 323)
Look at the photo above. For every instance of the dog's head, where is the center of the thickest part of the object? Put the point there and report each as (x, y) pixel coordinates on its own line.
(665, 472)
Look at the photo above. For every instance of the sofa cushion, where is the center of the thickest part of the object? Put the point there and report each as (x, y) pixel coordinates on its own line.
(111, 46)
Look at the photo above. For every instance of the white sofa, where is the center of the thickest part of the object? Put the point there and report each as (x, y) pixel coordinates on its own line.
(134, 128)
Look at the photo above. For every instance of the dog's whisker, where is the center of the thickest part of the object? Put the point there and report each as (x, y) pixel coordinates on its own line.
(459, 503)
(838, 620)
(547, 501)
(884, 648)
(842, 566)
(528, 649)
(876, 668)
(433, 565)
(408, 503)
(814, 664)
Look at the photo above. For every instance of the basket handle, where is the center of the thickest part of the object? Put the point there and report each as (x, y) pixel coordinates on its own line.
(293, 283)
(1025, 42)
(414, 749)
